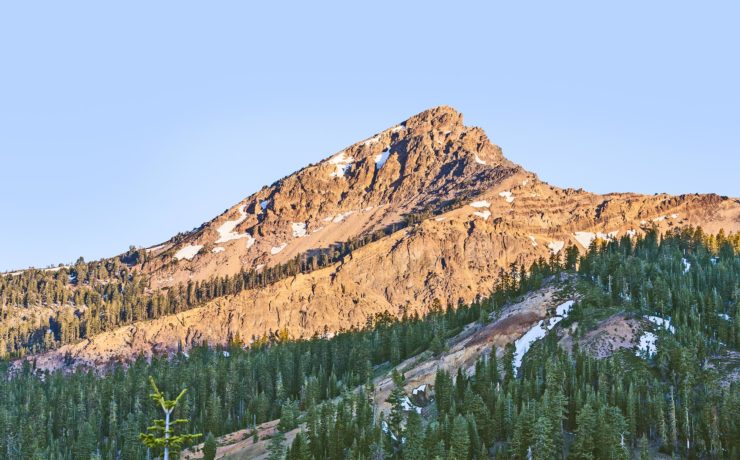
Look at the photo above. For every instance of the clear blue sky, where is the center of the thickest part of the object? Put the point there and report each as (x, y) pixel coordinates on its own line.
(125, 124)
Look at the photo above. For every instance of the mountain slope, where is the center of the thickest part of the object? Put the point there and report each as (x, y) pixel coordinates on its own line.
(449, 211)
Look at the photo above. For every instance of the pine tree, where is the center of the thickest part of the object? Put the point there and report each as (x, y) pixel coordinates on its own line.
(395, 419)
(644, 448)
(275, 448)
(413, 449)
(543, 446)
(162, 434)
(443, 391)
(459, 439)
(209, 447)
(584, 443)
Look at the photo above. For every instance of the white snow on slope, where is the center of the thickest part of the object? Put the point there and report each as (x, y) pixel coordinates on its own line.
(659, 219)
(686, 265)
(381, 158)
(564, 308)
(420, 388)
(661, 323)
(226, 230)
(408, 406)
(724, 316)
(507, 194)
(586, 238)
(674, 216)
(478, 160)
(342, 162)
(217, 249)
(647, 344)
(299, 229)
(485, 214)
(340, 217)
(538, 331)
(555, 246)
(188, 252)
(277, 249)
(534, 241)
(480, 204)
(631, 233)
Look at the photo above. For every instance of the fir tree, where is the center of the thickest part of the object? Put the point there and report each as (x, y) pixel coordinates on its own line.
(162, 434)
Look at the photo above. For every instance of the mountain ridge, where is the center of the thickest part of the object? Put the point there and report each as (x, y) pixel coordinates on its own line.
(451, 215)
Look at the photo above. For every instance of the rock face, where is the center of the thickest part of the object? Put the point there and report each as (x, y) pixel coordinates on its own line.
(480, 211)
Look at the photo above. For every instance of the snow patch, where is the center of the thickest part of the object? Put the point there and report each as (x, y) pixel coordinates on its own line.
(564, 308)
(662, 323)
(538, 331)
(217, 249)
(586, 238)
(479, 160)
(381, 158)
(480, 204)
(724, 316)
(277, 249)
(188, 252)
(439, 219)
(555, 246)
(408, 406)
(659, 219)
(226, 230)
(631, 233)
(299, 229)
(419, 389)
(342, 162)
(341, 216)
(686, 265)
(534, 241)
(485, 214)
(507, 194)
(674, 216)
(647, 344)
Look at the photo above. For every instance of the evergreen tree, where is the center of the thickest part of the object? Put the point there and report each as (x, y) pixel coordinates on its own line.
(162, 434)
(459, 439)
(209, 447)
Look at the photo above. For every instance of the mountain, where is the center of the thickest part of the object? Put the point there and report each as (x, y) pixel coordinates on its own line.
(428, 212)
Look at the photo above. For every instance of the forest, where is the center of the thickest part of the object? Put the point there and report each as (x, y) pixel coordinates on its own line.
(680, 401)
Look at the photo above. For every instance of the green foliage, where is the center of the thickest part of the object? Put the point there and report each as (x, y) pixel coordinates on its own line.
(678, 400)
(209, 447)
(162, 434)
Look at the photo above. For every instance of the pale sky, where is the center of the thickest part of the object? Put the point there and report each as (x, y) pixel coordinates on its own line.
(125, 124)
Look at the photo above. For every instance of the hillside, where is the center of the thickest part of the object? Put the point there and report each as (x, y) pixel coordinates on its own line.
(426, 212)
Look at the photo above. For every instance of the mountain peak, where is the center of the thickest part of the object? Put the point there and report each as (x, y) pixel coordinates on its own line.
(439, 117)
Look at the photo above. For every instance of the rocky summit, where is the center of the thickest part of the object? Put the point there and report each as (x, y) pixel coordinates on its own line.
(427, 212)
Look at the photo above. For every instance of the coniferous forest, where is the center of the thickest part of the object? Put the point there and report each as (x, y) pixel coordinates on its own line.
(682, 400)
